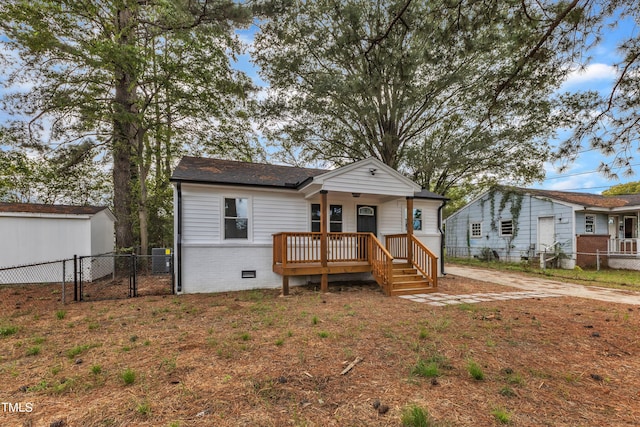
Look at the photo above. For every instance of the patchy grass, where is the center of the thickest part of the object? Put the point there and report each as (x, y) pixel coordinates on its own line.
(619, 279)
(254, 358)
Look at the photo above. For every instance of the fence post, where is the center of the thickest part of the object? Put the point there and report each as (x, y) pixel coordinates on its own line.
(64, 277)
(75, 277)
(598, 259)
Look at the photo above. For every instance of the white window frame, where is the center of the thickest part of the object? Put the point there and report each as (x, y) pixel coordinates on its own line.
(327, 217)
(502, 226)
(477, 235)
(589, 219)
(225, 217)
(421, 219)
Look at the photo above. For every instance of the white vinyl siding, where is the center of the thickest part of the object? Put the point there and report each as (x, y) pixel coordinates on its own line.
(276, 212)
(200, 216)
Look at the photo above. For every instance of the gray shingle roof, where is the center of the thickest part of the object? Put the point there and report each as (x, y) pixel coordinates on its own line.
(230, 172)
(50, 209)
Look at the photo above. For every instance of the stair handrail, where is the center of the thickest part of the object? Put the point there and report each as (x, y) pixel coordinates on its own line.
(425, 261)
(381, 262)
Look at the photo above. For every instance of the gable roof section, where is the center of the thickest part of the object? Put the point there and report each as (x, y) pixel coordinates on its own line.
(230, 172)
(203, 170)
(34, 208)
(586, 200)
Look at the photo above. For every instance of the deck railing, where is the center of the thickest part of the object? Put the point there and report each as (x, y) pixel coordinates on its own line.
(628, 246)
(381, 262)
(425, 261)
(305, 247)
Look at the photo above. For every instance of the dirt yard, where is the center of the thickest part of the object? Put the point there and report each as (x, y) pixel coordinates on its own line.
(257, 359)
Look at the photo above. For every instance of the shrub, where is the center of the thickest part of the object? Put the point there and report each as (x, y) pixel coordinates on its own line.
(128, 376)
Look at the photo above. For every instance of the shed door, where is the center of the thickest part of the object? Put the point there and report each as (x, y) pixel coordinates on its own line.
(546, 232)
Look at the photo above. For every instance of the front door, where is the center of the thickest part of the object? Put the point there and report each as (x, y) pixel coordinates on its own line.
(367, 223)
(546, 233)
(367, 219)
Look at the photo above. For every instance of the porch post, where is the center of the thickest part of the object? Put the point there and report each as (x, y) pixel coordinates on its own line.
(324, 281)
(409, 229)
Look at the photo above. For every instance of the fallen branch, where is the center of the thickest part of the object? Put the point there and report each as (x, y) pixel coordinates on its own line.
(351, 365)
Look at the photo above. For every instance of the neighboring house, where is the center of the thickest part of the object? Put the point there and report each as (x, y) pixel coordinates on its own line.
(247, 225)
(34, 233)
(517, 223)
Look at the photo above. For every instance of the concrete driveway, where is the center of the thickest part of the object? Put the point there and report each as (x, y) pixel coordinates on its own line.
(531, 283)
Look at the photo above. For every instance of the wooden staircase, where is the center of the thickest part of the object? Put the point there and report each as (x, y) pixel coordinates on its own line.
(407, 280)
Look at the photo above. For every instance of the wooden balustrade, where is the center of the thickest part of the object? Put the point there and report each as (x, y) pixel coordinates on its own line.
(425, 261)
(397, 245)
(381, 263)
(300, 253)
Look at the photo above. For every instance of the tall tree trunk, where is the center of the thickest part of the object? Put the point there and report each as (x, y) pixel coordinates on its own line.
(124, 136)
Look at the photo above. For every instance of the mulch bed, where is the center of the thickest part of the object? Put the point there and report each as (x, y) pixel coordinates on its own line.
(257, 359)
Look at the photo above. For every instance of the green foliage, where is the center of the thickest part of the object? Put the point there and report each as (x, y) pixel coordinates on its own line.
(501, 415)
(34, 351)
(79, 349)
(475, 370)
(128, 376)
(621, 189)
(5, 331)
(120, 89)
(426, 369)
(354, 78)
(415, 416)
(61, 314)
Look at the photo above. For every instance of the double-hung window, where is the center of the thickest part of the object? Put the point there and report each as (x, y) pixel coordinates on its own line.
(590, 224)
(236, 218)
(335, 218)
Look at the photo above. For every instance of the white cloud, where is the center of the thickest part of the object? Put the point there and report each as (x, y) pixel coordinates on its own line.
(591, 74)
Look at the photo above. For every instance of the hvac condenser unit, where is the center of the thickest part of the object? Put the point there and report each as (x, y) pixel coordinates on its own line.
(160, 260)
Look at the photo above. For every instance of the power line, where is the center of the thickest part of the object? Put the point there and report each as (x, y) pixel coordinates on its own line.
(580, 173)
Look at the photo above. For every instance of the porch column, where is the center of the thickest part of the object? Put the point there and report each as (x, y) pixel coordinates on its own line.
(324, 281)
(409, 228)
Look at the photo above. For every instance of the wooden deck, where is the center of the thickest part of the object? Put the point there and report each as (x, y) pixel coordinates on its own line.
(407, 267)
(312, 268)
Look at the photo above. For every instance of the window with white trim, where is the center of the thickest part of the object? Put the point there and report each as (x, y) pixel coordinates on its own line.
(476, 230)
(335, 218)
(236, 218)
(590, 224)
(417, 220)
(506, 227)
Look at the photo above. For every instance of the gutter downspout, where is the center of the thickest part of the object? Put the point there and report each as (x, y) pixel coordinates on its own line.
(179, 237)
(444, 202)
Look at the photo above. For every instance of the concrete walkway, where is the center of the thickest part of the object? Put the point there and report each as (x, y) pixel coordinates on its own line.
(547, 286)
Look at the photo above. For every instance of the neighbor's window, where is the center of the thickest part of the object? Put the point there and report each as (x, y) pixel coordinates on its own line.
(506, 227)
(335, 218)
(236, 218)
(589, 223)
(476, 230)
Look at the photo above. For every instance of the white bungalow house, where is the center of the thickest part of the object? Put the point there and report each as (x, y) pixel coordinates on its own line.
(36, 233)
(514, 223)
(247, 225)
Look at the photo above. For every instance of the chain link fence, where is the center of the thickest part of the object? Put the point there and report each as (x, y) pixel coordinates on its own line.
(93, 278)
(591, 260)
